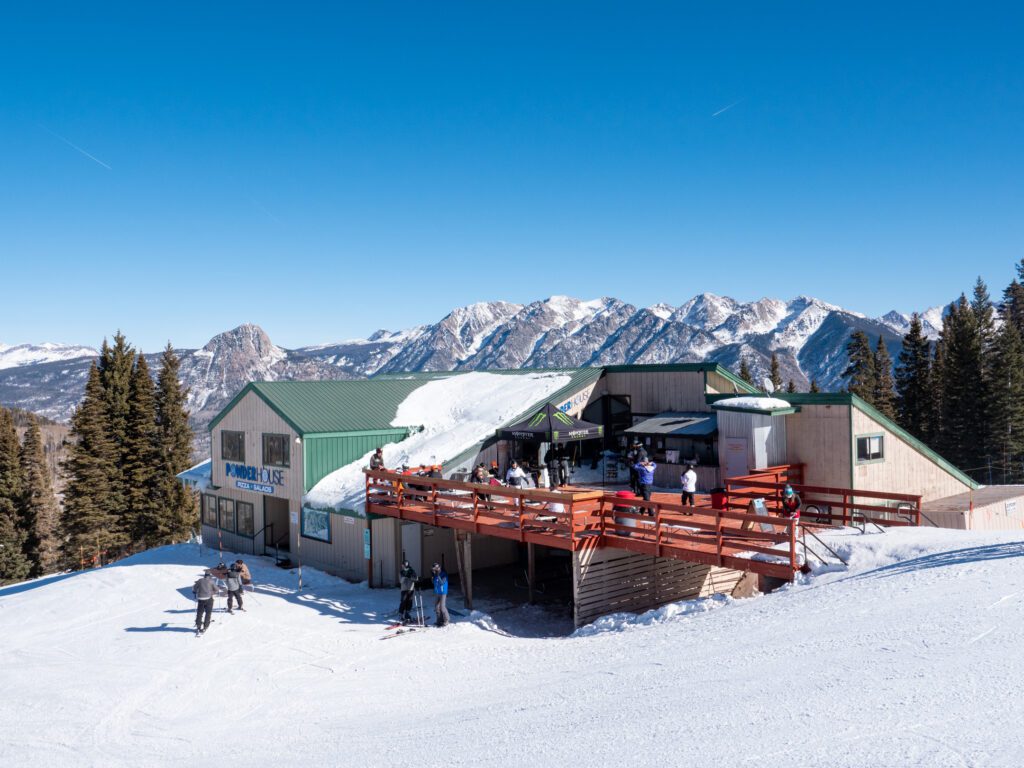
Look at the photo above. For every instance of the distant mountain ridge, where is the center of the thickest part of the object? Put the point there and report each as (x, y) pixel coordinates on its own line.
(808, 335)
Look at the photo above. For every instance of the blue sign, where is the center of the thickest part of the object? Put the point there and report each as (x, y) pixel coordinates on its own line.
(258, 487)
(366, 543)
(261, 475)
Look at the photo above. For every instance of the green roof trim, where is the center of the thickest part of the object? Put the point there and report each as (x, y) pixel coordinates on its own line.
(851, 400)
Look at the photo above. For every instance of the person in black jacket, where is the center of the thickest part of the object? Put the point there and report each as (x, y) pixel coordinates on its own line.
(204, 590)
(377, 460)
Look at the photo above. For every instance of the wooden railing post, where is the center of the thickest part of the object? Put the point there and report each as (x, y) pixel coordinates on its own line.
(792, 544)
(718, 535)
(657, 530)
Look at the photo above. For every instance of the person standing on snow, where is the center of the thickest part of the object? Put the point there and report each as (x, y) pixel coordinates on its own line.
(689, 483)
(407, 583)
(645, 478)
(790, 503)
(204, 591)
(243, 572)
(440, 578)
(233, 583)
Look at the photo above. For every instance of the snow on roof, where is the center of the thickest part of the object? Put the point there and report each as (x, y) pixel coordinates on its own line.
(454, 414)
(198, 475)
(753, 403)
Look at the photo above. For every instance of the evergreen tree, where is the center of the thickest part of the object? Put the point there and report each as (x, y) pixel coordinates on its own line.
(90, 519)
(175, 440)
(1013, 302)
(961, 379)
(775, 374)
(934, 418)
(884, 397)
(115, 367)
(791, 387)
(14, 566)
(914, 395)
(142, 521)
(1006, 403)
(861, 368)
(39, 509)
(745, 373)
(814, 386)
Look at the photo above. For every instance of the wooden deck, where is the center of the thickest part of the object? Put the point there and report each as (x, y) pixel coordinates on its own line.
(579, 518)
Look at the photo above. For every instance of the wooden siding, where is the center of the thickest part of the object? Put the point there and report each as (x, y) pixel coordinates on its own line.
(903, 469)
(386, 546)
(438, 546)
(818, 436)
(719, 385)
(667, 476)
(325, 454)
(653, 392)
(343, 556)
(612, 580)
(765, 436)
(995, 508)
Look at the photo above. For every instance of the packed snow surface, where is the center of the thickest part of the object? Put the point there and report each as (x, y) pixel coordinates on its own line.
(455, 413)
(759, 403)
(911, 657)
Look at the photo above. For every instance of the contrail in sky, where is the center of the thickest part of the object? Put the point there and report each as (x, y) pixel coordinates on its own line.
(726, 109)
(75, 147)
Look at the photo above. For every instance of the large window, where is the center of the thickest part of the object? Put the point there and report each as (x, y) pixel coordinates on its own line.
(870, 448)
(226, 508)
(244, 518)
(210, 510)
(232, 446)
(275, 450)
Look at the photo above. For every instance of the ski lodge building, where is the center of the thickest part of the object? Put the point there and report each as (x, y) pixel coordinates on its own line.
(286, 478)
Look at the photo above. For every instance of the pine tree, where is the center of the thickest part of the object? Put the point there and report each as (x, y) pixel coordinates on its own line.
(1013, 302)
(814, 386)
(39, 509)
(961, 379)
(90, 519)
(142, 521)
(175, 440)
(14, 566)
(115, 367)
(1006, 404)
(884, 397)
(776, 375)
(914, 395)
(791, 386)
(745, 373)
(861, 368)
(934, 417)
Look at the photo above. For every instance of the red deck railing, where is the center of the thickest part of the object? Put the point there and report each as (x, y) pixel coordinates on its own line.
(574, 519)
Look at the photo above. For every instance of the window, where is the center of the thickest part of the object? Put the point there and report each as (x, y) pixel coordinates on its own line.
(210, 510)
(244, 518)
(232, 446)
(275, 450)
(870, 448)
(316, 524)
(226, 508)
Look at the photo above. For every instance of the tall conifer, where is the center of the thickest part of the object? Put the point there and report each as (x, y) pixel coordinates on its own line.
(884, 397)
(962, 382)
(814, 386)
(40, 512)
(115, 367)
(914, 392)
(860, 371)
(791, 386)
(14, 565)
(745, 373)
(1006, 403)
(142, 522)
(90, 515)
(776, 374)
(175, 440)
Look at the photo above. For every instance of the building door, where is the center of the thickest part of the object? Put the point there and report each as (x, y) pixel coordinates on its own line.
(275, 511)
(735, 457)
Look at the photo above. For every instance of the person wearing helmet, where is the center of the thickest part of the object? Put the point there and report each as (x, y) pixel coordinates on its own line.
(790, 502)
(408, 585)
(440, 579)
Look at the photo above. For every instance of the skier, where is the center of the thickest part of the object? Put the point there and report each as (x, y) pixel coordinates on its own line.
(204, 591)
(377, 460)
(243, 572)
(233, 582)
(689, 483)
(408, 587)
(553, 459)
(645, 478)
(790, 502)
(515, 475)
(440, 578)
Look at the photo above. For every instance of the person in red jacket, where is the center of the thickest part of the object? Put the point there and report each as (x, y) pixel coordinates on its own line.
(790, 503)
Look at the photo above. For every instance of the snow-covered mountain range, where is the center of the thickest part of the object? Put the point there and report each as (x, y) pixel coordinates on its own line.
(808, 335)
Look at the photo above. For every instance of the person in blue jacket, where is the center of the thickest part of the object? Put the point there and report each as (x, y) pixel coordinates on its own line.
(645, 474)
(440, 595)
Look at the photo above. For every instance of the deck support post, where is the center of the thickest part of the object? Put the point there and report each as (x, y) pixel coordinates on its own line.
(531, 568)
(464, 554)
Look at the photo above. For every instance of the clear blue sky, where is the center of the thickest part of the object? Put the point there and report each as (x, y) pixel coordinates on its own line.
(328, 169)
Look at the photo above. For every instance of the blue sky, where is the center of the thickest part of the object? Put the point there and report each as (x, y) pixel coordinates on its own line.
(326, 169)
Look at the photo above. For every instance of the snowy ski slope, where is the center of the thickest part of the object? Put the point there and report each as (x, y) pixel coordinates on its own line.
(912, 657)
